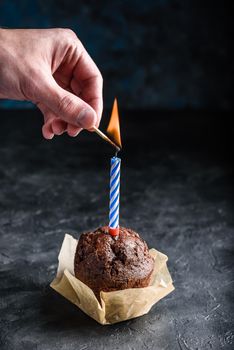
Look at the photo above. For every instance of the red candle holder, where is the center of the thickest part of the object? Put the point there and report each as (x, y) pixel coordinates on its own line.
(114, 231)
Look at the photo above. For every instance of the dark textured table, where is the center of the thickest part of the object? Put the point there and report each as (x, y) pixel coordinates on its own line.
(176, 190)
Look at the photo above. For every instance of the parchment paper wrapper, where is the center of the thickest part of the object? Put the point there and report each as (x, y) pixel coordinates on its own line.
(115, 306)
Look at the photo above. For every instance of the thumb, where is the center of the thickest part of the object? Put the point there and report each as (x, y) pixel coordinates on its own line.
(67, 106)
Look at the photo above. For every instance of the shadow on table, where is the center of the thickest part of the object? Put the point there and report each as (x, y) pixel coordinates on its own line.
(62, 315)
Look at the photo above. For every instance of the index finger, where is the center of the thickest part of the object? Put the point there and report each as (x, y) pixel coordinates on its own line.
(87, 79)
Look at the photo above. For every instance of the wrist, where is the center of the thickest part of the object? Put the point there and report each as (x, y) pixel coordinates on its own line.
(1, 34)
(2, 31)
(3, 38)
(4, 59)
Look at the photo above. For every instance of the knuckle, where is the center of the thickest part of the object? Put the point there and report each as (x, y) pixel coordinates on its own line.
(66, 35)
(97, 76)
(100, 78)
(71, 40)
(70, 32)
(69, 35)
(65, 32)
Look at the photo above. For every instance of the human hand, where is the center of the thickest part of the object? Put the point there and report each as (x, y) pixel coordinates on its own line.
(51, 68)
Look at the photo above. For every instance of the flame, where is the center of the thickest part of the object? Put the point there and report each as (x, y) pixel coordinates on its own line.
(113, 129)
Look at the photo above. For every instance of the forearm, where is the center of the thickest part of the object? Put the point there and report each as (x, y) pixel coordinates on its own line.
(2, 59)
(9, 72)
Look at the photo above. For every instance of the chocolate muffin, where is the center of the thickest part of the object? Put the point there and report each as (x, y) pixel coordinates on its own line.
(106, 264)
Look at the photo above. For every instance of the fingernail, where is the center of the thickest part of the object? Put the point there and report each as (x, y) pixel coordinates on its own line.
(86, 118)
(76, 134)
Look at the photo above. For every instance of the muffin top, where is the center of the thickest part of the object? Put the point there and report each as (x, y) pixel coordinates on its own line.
(103, 263)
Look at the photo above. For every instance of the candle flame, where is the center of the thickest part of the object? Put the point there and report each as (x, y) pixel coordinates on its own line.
(113, 129)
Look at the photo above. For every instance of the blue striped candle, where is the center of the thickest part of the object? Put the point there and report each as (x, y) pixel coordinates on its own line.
(114, 196)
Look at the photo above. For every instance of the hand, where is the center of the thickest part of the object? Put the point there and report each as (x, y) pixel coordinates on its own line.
(51, 68)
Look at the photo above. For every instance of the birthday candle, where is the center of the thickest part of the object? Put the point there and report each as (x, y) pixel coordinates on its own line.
(114, 196)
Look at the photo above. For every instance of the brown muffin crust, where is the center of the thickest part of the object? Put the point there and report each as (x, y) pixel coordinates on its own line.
(106, 264)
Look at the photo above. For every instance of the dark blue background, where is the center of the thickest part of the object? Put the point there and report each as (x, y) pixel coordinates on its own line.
(161, 54)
